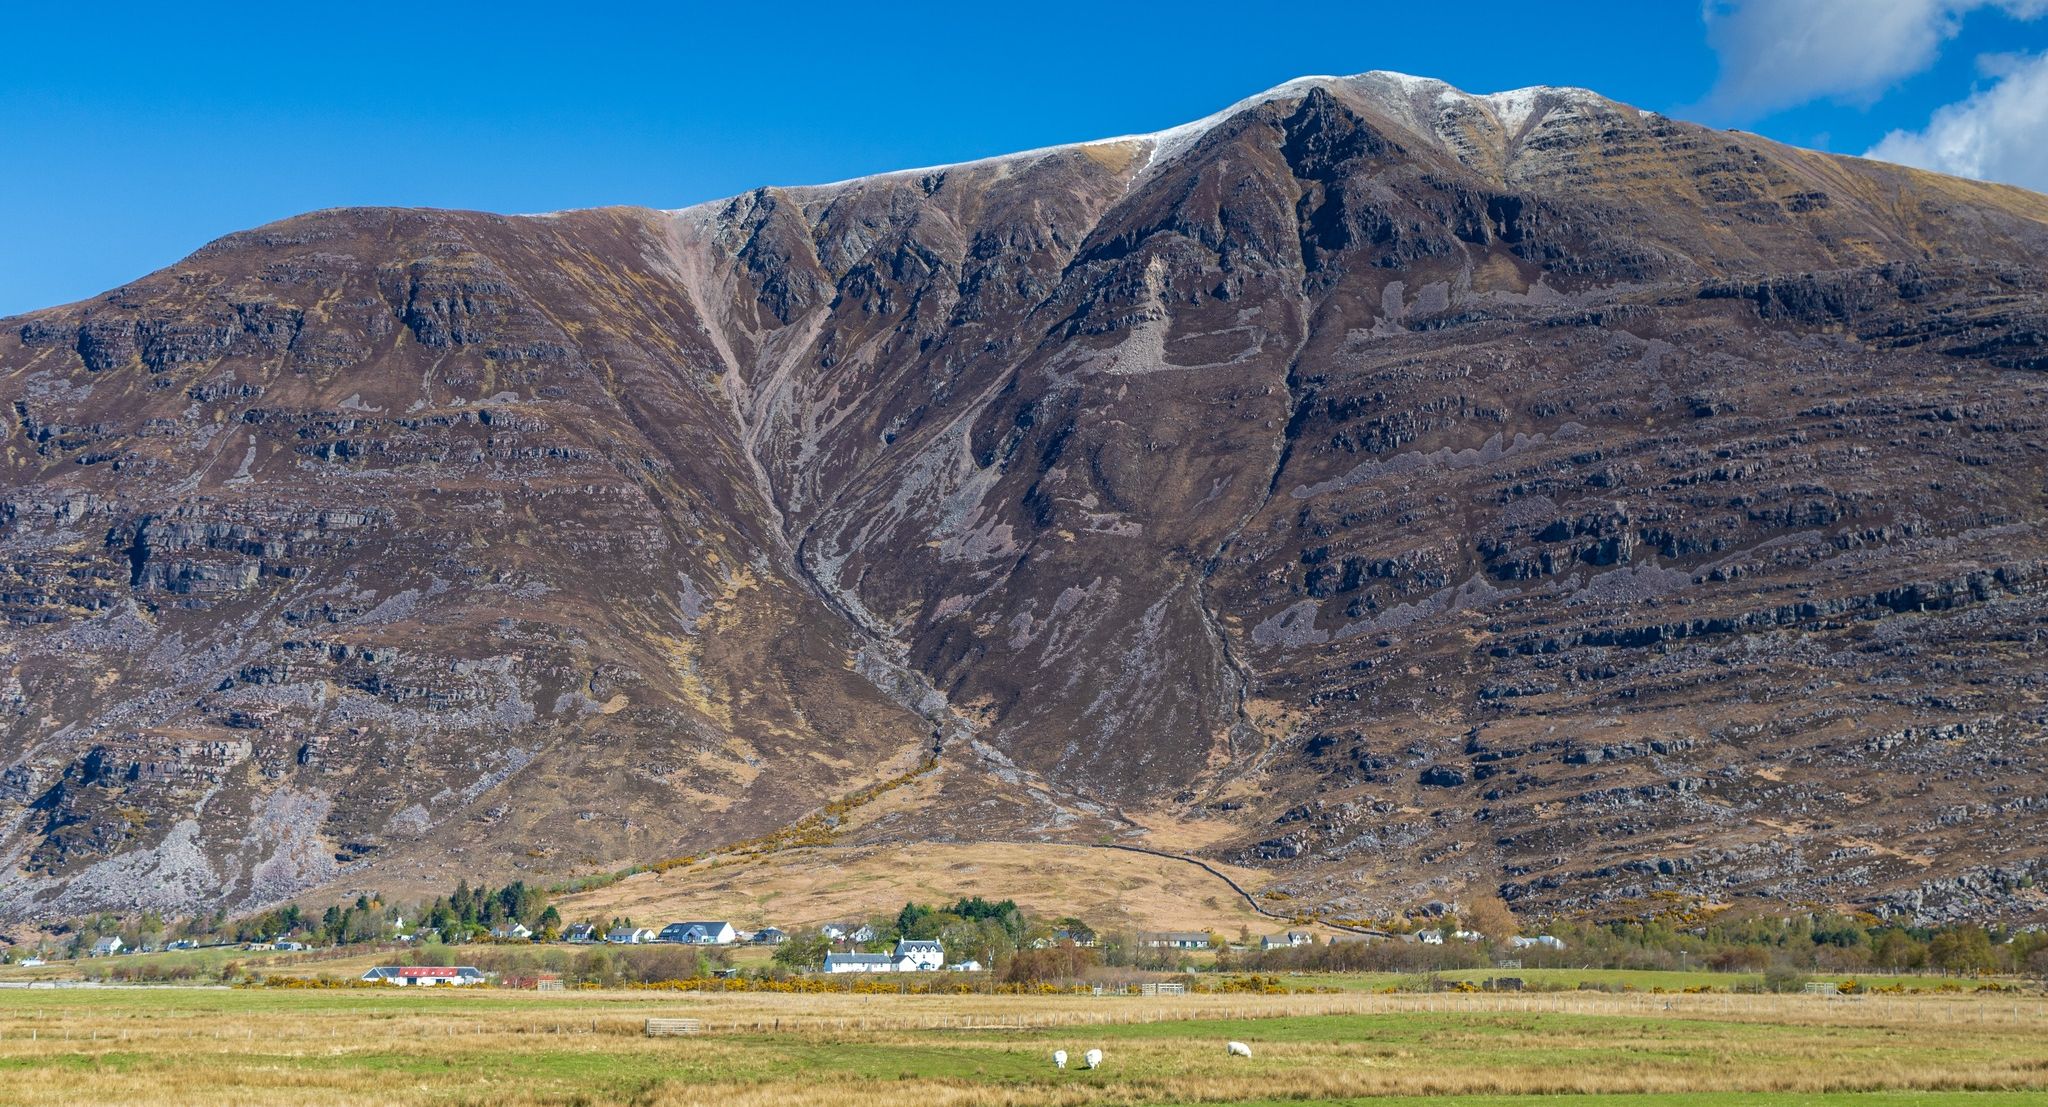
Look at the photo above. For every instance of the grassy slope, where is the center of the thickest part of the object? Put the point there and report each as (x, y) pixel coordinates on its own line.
(802, 887)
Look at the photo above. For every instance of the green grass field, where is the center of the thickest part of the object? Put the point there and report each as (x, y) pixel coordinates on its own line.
(1688, 1099)
(1639, 979)
(274, 1046)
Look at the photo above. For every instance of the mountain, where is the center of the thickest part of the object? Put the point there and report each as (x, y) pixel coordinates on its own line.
(1399, 490)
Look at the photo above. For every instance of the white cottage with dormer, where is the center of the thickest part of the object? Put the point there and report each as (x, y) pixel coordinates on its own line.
(908, 956)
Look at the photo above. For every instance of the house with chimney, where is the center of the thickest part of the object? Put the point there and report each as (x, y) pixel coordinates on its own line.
(909, 956)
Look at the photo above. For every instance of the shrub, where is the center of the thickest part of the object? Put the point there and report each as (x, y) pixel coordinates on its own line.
(1783, 978)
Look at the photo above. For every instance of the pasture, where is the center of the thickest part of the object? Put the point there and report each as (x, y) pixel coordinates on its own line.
(275, 1046)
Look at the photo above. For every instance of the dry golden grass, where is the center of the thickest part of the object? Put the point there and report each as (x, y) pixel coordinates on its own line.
(191, 1046)
(803, 887)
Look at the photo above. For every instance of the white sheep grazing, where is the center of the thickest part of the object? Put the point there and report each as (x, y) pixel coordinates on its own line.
(1239, 1049)
(1059, 1059)
(1092, 1058)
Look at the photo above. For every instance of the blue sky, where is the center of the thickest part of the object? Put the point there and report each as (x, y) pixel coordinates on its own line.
(133, 134)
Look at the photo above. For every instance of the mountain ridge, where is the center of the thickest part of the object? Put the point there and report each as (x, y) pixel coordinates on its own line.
(1436, 515)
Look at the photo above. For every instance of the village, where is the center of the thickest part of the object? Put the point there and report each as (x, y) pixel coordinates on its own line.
(860, 948)
(517, 936)
(915, 941)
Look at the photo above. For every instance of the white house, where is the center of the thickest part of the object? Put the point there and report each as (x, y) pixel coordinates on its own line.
(1543, 940)
(580, 933)
(964, 966)
(1430, 937)
(424, 976)
(699, 933)
(859, 962)
(107, 946)
(1173, 939)
(908, 956)
(1288, 940)
(629, 935)
(511, 932)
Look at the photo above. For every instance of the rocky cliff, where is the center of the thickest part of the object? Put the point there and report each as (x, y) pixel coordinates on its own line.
(1415, 490)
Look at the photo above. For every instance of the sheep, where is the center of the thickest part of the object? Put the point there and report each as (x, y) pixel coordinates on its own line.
(1059, 1059)
(1239, 1049)
(1091, 1059)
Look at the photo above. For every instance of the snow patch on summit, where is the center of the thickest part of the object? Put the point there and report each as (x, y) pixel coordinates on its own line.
(1514, 108)
(1422, 104)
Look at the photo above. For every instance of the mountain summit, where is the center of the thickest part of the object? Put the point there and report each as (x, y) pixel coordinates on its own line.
(1402, 490)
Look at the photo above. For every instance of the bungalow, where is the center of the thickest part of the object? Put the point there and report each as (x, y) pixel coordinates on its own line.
(1173, 939)
(511, 932)
(1543, 940)
(769, 936)
(286, 945)
(424, 976)
(107, 946)
(964, 966)
(580, 933)
(1430, 937)
(859, 962)
(1288, 940)
(1079, 935)
(629, 935)
(699, 933)
(851, 932)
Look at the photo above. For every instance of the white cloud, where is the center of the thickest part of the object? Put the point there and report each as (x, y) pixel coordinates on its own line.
(1997, 134)
(1777, 53)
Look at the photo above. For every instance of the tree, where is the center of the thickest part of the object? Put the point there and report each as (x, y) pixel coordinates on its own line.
(1783, 978)
(1057, 963)
(1894, 950)
(804, 950)
(1962, 951)
(1489, 915)
(908, 919)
